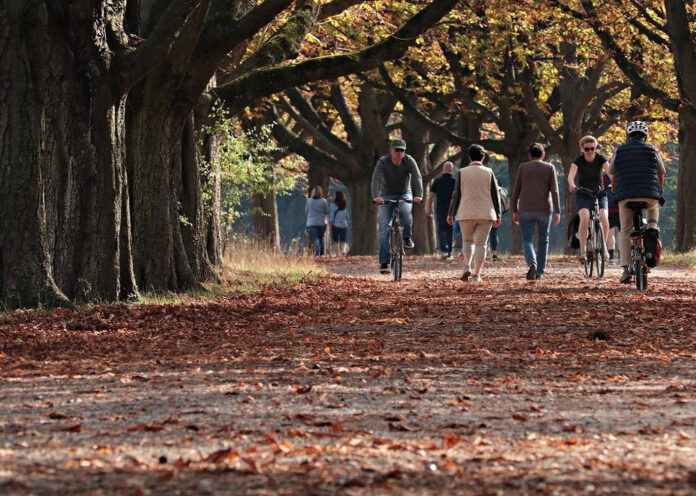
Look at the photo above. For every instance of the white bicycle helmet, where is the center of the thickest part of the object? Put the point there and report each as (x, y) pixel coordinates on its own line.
(637, 127)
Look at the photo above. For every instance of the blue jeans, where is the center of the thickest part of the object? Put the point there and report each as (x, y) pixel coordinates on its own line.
(385, 213)
(444, 232)
(317, 235)
(529, 221)
(493, 237)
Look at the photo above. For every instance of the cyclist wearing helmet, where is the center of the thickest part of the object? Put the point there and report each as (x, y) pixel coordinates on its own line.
(637, 173)
(589, 167)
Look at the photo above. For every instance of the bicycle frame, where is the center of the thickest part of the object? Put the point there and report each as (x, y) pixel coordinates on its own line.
(594, 245)
(396, 239)
(639, 267)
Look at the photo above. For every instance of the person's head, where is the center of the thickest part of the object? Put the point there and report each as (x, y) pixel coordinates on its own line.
(588, 145)
(476, 153)
(397, 149)
(447, 167)
(340, 200)
(316, 192)
(536, 151)
(637, 129)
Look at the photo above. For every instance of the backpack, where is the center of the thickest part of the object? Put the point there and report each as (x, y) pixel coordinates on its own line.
(504, 199)
(653, 247)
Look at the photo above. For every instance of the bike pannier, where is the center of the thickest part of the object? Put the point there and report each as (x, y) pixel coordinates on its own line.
(653, 247)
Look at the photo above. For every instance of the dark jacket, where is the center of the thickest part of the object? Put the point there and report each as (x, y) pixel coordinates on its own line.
(636, 167)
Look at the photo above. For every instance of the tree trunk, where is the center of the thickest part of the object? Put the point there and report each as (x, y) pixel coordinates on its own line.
(212, 183)
(570, 209)
(363, 217)
(266, 228)
(423, 229)
(685, 228)
(514, 162)
(25, 272)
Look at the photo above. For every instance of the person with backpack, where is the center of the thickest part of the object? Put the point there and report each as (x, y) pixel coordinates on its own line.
(637, 175)
(442, 189)
(338, 220)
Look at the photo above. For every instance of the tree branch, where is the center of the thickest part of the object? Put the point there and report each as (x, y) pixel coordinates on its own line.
(264, 82)
(335, 8)
(338, 100)
(133, 65)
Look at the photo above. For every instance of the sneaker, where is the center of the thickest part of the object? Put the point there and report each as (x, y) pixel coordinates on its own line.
(476, 278)
(495, 258)
(531, 273)
(384, 268)
(538, 276)
(466, 274)
(582, 258)
(612, 261)
(448, 257)
(408, 243)
(626, 276)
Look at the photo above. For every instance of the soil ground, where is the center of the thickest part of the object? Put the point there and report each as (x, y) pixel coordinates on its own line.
(354, 384)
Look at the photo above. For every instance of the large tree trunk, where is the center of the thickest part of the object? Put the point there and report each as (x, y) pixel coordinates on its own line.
(685, 228)
(423, 229)
(569, 200)
(363, 217)
(212, 183)
(25, 272)
(514, 162)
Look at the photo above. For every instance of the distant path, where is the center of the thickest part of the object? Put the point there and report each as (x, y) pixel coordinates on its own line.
(354, 384)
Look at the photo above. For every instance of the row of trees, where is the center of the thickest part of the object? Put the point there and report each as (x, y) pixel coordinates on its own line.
(103, 107)
(101, 103)
(552, 71)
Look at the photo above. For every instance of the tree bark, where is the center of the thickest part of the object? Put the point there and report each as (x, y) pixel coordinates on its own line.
(685, 228)
(266, 227)
(363, 216)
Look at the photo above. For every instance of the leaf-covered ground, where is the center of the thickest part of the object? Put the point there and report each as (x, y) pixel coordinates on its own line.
(353, 384)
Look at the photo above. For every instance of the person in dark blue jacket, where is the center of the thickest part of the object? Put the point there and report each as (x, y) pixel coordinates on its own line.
(442, 189)
(637, 173)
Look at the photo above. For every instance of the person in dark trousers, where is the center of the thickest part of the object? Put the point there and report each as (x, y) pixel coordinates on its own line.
(391, 180)
(317, 209)
(534, 203)
(637, 174)
(442, 189)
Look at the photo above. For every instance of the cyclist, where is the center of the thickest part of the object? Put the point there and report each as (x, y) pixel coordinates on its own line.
(588, 168)
(637, 174)
(391, 180)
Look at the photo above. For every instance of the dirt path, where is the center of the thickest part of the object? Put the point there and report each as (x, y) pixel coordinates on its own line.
(358, 385)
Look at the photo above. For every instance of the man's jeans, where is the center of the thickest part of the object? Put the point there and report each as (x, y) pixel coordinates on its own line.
(385, 213)
(317, 235)
(529, 221)
(444, 232)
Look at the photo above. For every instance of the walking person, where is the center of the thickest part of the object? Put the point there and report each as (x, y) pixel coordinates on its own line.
(637, 175)
(614, 222)
(317, 210)
(535, 202)
(476, 206)
(391, 180)
(338, 220)
(442, 189)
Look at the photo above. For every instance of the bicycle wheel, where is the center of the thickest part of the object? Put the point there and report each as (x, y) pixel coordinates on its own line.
(397, 264)
(397, 253)
(599, 249)
(589, 253)
(641, 274)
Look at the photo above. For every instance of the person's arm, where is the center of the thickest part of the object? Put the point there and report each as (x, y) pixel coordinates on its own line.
(516, 188)
(554, 197)
(660, 169)
(416, 181)
(571, 178)
(377, 178)
(495, 196)
(456, 196)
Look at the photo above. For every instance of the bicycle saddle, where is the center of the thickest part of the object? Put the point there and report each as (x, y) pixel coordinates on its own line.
(637, 205)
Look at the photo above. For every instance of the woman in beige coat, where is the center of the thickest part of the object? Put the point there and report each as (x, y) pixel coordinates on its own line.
(476, 206)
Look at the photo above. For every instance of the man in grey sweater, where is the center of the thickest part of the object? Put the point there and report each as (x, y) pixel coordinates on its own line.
(391, 180)
(534, 202)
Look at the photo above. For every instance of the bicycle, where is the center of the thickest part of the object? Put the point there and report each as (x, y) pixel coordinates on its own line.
(639, 266)
(396, 240)
(594, 246)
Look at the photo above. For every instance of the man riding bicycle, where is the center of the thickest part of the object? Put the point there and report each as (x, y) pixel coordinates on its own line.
(391, 180)
(637, 174)
(589, 167)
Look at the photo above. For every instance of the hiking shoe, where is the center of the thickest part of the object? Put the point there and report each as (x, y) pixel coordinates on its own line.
(626, 276)
(408, 243)
(476, 278)
(466, 274)
(531, 273)
(495, 258)
(384, 268)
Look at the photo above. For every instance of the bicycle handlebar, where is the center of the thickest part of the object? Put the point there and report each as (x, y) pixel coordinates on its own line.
(588, 191)
(403, 200)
